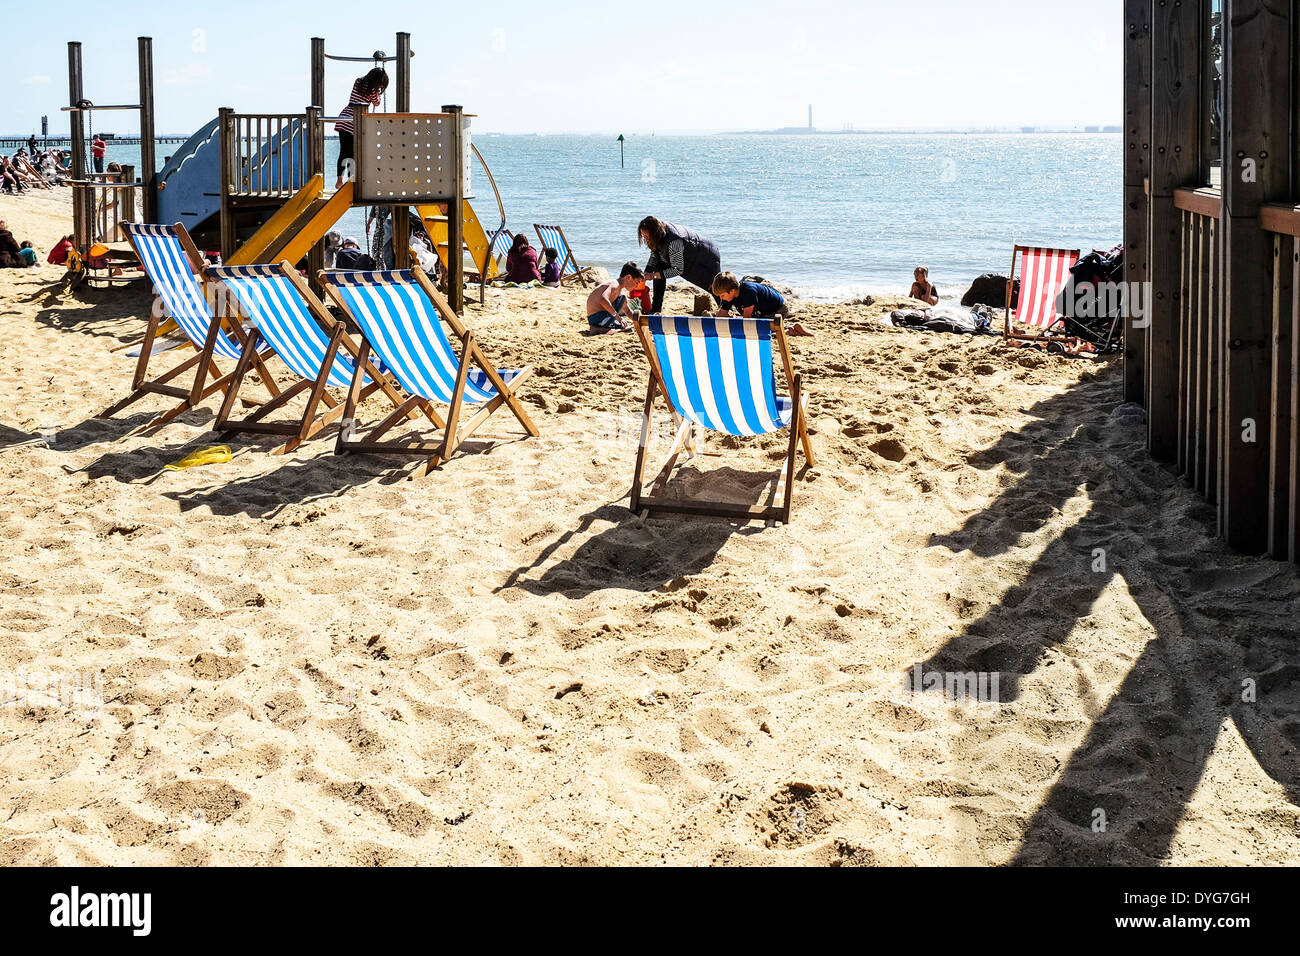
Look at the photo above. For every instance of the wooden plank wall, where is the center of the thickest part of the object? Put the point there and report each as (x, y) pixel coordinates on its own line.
(1137, 169)
(1175, 119)
(1257, 170)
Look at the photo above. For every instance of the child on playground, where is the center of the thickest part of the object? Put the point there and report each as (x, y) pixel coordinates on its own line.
(551, 268)
(753, 300)
(608, 311)
(368, 89)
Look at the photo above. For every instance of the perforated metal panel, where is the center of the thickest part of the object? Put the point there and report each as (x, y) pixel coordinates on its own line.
(407, 158)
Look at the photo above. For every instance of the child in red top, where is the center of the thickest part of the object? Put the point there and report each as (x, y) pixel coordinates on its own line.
(59, 254)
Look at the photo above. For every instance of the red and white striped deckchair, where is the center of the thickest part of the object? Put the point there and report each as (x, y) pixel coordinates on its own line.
(1043, 274)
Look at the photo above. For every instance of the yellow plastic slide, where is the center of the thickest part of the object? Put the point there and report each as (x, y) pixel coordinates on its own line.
(305, 219)
(435, 223)
(296, 226)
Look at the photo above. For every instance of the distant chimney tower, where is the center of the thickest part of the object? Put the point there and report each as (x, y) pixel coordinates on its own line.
(810, 126)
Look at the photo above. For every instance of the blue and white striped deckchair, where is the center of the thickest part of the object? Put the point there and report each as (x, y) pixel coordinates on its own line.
(498, 249)
(284, 312)
(553, 236)
(173, 263)
(399, 315)
(719, 373)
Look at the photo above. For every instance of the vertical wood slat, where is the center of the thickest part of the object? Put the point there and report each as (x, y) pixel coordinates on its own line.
(1293, 550)
(1279, 498)
(1257, 125)
(1207, 464)
(1175, 122)
(1196, 451)
(1137, 170)
(1188, 225)
(1221, 390)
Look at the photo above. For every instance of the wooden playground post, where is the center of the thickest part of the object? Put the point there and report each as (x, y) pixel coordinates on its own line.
(403, 73)
(318, 72)
(225, 128)
(313, 141)
(83, 209)
(148, 167)
(456, 213)
(401, 214)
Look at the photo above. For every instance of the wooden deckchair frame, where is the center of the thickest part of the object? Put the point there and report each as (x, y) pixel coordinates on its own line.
(1046, 335)
(646, 506)
(454, 434)
(581, 274)
(311, 421)
(207, 374)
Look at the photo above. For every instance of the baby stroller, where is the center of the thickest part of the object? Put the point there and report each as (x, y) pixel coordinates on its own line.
(1092, 301)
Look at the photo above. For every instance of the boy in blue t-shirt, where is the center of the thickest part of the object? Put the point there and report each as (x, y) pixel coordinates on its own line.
(753, 300)
(28, 254)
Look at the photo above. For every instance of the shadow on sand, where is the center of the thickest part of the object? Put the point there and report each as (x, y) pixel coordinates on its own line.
(1146, 750)
(631, 558)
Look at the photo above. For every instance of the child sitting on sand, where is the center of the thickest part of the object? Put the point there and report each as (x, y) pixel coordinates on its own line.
(604, 310)
(753, 300)
(59, 254)
(551, 268)
(923, 288)
(28, 253)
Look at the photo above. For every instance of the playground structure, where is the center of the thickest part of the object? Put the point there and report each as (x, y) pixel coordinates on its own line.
(99, 200)
(253, 185)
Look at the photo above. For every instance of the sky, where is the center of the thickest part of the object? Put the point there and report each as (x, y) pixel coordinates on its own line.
(562, 66)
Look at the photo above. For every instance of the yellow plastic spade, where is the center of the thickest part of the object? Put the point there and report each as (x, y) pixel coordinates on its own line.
(216, 455)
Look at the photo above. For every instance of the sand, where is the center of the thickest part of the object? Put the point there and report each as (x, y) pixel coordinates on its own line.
(312, 659)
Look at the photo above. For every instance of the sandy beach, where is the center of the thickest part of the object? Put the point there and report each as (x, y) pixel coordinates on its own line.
(310, 659)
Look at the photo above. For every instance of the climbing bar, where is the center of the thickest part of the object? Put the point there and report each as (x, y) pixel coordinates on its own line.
(378, 57)
(93, 108)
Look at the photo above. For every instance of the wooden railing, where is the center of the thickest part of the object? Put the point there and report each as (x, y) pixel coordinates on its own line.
(1204, 346)
(101, 203)
(268, 155)
(1284, 425)
(1200, 362)
(265, 159)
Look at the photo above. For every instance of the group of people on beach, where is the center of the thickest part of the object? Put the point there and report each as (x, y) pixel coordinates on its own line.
(34, 169)
(675, 251)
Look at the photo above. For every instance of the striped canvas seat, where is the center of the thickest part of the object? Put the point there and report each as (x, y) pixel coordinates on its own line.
(553, 236)
(173, 263)
(718, 372)
(164, 260)
(400, 314)
(277, 310)
(402, 325)
(1043, 274)
(500, 244)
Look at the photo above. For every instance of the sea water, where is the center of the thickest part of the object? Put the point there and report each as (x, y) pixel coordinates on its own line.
(834, 216)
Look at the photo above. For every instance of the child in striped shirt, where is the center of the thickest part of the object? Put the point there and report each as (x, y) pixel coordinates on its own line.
(368, 89)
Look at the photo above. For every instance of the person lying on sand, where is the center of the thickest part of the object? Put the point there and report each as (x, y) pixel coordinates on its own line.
(608, 311)
(923, 288)
(753, 300)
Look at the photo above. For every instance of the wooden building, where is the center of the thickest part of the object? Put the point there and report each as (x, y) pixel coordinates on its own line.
(1212, 236)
